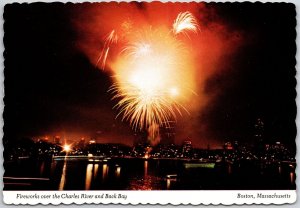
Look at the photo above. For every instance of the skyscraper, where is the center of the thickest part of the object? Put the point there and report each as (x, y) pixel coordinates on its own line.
(259, 135)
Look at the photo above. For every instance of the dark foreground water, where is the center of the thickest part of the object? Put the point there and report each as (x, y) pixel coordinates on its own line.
(139, 174)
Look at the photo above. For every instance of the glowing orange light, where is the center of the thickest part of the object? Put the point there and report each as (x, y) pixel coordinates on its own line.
(67, 148)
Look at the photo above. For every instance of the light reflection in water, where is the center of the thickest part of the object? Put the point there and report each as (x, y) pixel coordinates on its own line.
(146, 168)
(104, 171)
(143, 182)
(118, 172)
(229, 169)
(88, 177)
(292, 177)
(144, 175)
(147, 180)
(168, 183)
(96, 166)
(63, 176)
(42, 168)
(280, 169)
(53, 167)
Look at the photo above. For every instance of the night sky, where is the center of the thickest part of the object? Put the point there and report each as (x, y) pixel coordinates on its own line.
(53, 88)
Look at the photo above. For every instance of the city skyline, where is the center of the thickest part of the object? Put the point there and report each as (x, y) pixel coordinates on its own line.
(258, 136)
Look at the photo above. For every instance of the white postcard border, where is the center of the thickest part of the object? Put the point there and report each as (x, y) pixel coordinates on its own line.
(218, 197)
(151, 197)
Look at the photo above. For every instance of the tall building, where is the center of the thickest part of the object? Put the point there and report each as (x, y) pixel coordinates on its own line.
(81, 143)
(167, 133)
(259, 135)
(259, 128)
(187, 148)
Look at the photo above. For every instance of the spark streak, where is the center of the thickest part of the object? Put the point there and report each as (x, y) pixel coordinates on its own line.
(111, 38)
(184, 23)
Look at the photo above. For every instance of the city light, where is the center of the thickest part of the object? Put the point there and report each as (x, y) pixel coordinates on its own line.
(67, 148)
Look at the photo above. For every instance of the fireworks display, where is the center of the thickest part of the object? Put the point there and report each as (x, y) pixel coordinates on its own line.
(151, 72)
(181, 71)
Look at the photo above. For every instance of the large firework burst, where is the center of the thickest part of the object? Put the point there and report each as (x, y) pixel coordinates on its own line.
(150, 73)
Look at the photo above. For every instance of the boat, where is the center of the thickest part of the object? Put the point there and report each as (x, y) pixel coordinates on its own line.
(171, 177)
(199, 164)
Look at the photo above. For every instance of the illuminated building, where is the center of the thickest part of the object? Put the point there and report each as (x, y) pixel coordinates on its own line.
(187, 148)
(228, 146)
(92, 141)
(167, 134)
(259, 137)
(81, 143)
(259, 129)
(278, 146)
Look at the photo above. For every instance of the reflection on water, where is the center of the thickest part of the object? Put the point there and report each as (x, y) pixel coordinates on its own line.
(279, 169)
(139, 174)
(292, 177)
(168, 183)
(52, 167)
(63, 176)
(118, 172)
(104, 171)
(146, 175)
(88, 177)
(147, 180)
(145, 183)
(229, 168)
(42, 168)
(146, 168)
(96, 166)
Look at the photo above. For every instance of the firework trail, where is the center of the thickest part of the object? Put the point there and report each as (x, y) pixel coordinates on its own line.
(111, 38)
(150, 74)
(184, 23)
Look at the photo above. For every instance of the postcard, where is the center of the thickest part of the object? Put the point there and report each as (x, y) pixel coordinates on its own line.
(149, 103)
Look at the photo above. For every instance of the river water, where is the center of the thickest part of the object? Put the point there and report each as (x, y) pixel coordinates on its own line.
(140, 174)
